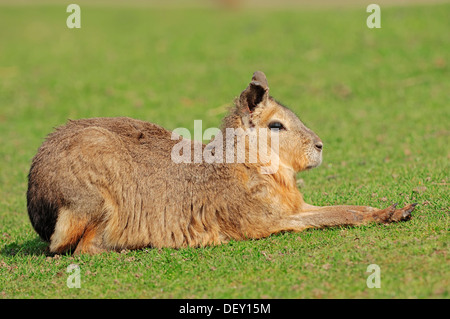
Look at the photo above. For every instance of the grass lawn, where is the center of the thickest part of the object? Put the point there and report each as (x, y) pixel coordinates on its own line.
(378, 98)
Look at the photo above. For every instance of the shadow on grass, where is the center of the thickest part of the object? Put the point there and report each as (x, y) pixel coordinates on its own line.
(33, 247)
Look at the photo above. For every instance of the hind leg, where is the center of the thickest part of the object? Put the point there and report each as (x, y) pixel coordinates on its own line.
(91, 241)
(69, 229)
(76, 233)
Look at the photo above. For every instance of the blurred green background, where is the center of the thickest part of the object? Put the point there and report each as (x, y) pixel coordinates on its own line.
(378, 98)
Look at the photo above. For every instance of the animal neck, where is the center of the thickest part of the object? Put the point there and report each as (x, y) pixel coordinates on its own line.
(278, 190)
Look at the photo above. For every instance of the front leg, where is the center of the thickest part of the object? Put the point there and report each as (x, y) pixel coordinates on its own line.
(332, 216)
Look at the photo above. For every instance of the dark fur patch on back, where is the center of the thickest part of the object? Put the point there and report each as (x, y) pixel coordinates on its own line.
(42, 213)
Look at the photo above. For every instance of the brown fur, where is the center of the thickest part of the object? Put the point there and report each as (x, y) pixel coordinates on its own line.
(109, 184)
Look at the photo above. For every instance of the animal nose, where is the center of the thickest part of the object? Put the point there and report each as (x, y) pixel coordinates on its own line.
(318, 146)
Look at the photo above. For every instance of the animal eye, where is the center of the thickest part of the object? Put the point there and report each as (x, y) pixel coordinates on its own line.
(276, 125)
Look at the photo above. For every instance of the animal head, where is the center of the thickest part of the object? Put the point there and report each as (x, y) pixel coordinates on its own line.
(299, 148)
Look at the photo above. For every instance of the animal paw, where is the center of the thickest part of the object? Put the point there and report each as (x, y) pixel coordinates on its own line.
(392, 214)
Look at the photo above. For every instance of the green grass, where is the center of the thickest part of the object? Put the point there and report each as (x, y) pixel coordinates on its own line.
(379, 99)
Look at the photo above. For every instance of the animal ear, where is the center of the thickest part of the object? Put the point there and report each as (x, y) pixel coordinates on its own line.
(256, 92)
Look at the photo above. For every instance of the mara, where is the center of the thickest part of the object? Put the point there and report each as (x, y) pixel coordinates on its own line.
(105, 184)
